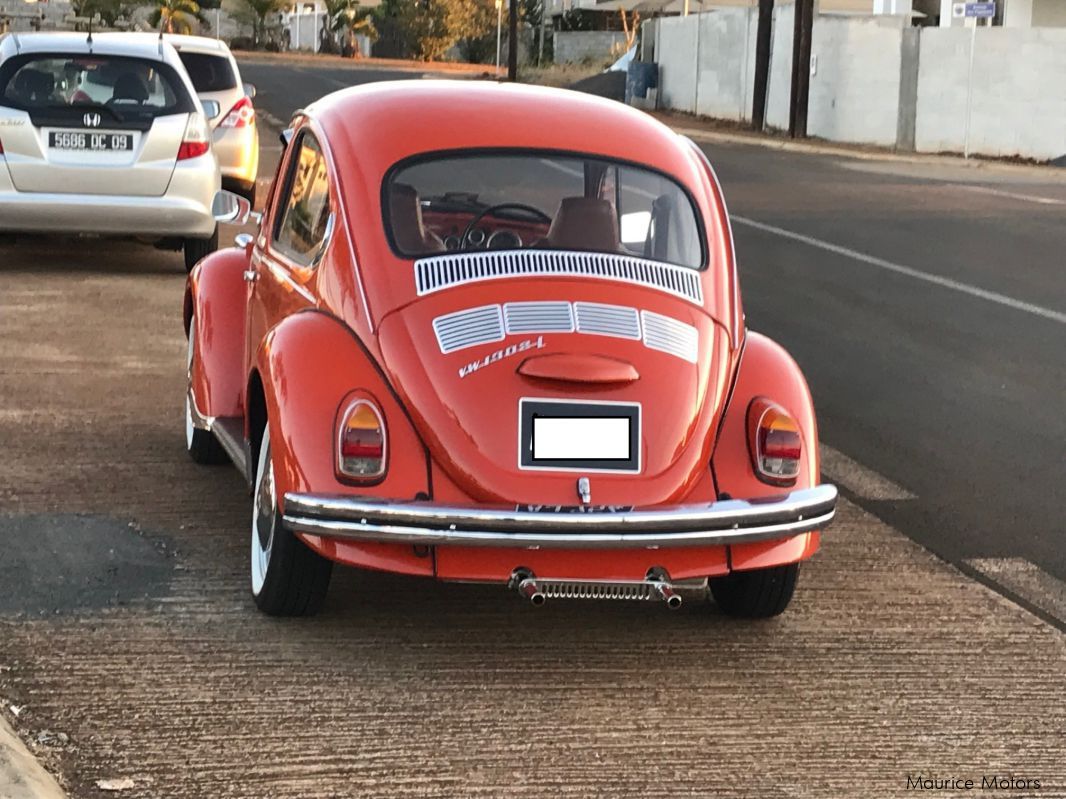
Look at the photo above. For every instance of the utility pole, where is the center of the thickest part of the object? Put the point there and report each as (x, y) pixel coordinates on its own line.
(499, 33)
(763, 42)
(801, 68)
(512, 43)
(543, 31)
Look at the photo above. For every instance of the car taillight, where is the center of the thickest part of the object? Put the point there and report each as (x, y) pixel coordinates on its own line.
(361, 444)
(240, 116)
(775, 443)
(197, 139)
(1, 146)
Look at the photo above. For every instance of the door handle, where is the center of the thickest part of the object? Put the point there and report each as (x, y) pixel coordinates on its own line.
(250, 276)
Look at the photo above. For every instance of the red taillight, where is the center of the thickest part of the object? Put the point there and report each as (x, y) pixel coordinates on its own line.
(197, 138)
(1, 146)
(361, 442)
(240, 116)
(192, 149)
(775, 443)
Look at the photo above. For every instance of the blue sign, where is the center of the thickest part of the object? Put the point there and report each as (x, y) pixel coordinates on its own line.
(981, 10)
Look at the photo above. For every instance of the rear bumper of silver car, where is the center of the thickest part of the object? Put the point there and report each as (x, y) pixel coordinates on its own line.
(184, 210)
(423, 523)
(238, 153)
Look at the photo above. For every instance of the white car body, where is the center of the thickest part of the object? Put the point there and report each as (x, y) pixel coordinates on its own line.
(79, 158)
(215, 75)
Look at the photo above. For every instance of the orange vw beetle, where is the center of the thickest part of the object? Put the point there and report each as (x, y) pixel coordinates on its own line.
(494, 333)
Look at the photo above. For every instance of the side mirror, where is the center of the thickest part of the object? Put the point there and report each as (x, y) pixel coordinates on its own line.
(211, 108)
(249, 90)
(230, 207)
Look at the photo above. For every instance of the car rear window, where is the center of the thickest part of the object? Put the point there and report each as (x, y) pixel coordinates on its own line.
(209, 73)
(475, 201)
(127, 88)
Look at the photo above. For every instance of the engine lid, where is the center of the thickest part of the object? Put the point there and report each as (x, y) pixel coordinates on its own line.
(473, 374)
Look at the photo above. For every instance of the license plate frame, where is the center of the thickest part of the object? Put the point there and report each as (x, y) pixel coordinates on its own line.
(585, 414)
(83, 141)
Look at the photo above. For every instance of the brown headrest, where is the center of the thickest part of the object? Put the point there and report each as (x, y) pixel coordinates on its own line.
(130, 86)
(405, 216)
(584, 223)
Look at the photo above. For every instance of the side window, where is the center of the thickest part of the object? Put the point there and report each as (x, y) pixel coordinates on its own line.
(304, 204)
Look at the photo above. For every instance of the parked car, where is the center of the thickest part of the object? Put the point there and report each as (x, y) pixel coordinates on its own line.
(235, 135)
(103, 134)
(471, 346)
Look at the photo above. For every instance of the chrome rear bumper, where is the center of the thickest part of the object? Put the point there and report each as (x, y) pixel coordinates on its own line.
(724, 522)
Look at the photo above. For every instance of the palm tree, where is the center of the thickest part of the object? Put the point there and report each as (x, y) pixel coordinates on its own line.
(260, 10)
(176, 16)
(347, 19)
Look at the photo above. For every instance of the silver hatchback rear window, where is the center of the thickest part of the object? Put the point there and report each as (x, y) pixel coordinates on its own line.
(128, 89)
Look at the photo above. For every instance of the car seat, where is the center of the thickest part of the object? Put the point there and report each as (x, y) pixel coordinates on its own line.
(34, 85)
(405, 217)
(129, 86)
(584, 223)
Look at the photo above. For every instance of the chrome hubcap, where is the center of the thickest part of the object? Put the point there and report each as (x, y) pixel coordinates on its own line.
(189, 427)
(264, 515)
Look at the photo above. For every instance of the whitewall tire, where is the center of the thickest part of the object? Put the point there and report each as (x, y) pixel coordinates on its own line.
(201, 445)
(288, 579)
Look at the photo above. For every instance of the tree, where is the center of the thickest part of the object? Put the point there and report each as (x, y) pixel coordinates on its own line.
(258, 11)
(427, 29)
(109, 11)
(346, 19)
(176, 16)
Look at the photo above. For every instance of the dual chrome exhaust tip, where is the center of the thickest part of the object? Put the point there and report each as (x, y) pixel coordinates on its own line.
(656, 587)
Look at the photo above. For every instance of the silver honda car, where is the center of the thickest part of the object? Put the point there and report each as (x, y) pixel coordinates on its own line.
(103, 134)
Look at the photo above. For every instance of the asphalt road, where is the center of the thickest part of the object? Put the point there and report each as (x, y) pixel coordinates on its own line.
(954, 396)
(126, 624)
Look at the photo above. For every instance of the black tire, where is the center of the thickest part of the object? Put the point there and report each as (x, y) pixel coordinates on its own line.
(288, 579)
(201, 445)
(204, 448)
(757, 594)
(195, 249)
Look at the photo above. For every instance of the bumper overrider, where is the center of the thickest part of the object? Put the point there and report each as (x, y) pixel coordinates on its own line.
(730, 521)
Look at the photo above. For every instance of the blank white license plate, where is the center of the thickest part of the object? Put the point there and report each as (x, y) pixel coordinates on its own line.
(563, 439)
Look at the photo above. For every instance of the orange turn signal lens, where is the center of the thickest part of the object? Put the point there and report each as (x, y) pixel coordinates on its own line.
(775, 443)
(361, 442)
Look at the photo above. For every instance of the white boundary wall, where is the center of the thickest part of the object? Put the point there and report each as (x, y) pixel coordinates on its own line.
(866, 80)
(852, 104)
(1019, 92)
(718, 47)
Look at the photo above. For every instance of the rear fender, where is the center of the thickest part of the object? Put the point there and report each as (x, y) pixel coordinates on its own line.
(765, 370)
(215, 298)
(311, 365)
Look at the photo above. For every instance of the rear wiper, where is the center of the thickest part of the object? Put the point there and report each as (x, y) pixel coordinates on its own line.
(87, 107)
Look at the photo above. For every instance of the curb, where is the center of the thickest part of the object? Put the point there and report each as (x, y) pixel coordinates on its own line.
(21, 775)
(1049, 172)
(400, 65)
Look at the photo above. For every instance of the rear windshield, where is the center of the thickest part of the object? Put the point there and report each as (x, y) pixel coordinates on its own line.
(127, 88)
(479, 201)
(209, 73)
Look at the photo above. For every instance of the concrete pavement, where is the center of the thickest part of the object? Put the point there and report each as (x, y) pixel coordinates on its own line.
(889, 664)
(21, 776)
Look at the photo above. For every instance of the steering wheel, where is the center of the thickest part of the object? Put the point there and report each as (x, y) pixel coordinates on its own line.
(536, 213)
